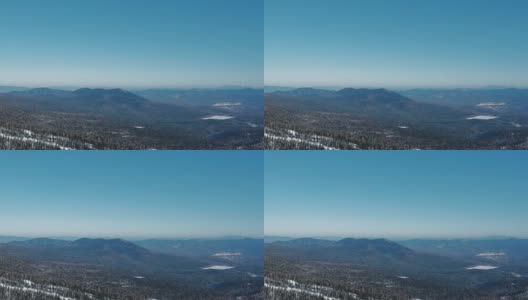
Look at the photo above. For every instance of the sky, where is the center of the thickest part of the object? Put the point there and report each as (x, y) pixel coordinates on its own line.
(395, 194)
(131, 43)
(132, 194)
(396, 44)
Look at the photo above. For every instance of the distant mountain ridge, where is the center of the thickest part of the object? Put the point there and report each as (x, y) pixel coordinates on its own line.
(122, 254)
(376, 104)
(84, 249)
(7, 88)
(377, 254)
(468, 96)
(105, 101)
(115, 246)
(206, 247)
(514, 249)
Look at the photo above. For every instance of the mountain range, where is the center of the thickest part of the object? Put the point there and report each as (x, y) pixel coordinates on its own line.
(120, 269)
(44, 118)
(383, 269)
(309, 118)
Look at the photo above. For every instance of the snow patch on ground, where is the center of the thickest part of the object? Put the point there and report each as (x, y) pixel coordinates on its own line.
(298, 140)
(294, 287)
(482, 117)
(491, 104)
(139, 277)
(298, 291)
(227, 255)
(28, 282)
(49, 290)
(291, 132)
(403, 127)
(491, 254)
(226, 104)
(139, 127)
(482, 267)
(217, 267)
(292, 282)
(295, 139)
(217, 117)
(403, 277)
(27, 137)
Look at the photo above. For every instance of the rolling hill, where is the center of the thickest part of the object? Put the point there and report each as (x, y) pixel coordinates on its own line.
(382, 269)
(349, 118)
(44, 118)
(120, 269)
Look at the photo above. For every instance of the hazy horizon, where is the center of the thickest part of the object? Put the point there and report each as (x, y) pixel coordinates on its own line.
(131, 43)
(395, 44)
(400, 238)
(135, 238)
(132, 88)
(395, 194)
(396, 88)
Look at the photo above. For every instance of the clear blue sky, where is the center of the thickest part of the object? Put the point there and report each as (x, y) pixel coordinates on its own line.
(396, 194)
(132, 193)
(386, 43)
(131, 43)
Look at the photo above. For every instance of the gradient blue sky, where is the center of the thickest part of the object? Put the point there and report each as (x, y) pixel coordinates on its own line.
(395, 44)
(396, 194)
(132, 193)
(131, 43)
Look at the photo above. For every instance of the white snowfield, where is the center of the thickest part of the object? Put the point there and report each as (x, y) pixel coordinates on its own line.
(481, 267)
(226, 104)
(482, 117)
(291, 132)
(30, 290)
(217, 117)
(294, 137)
(490, 104)
(298, 291)
(218, 267)
(29, 139)
(28, 282)
(403, 127)
(314, 290)
(491, 254)
(27, 136)
(227, 254)
(298, 141)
